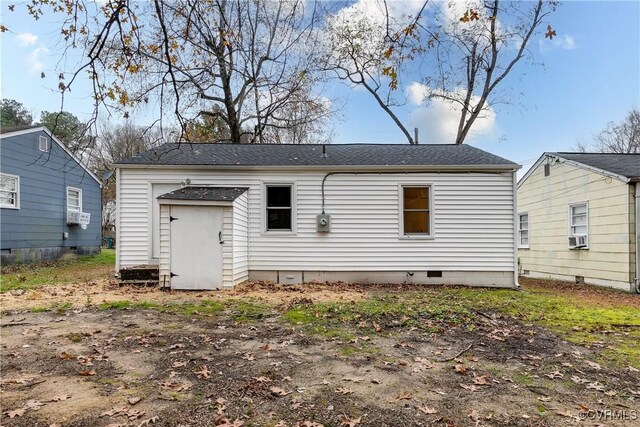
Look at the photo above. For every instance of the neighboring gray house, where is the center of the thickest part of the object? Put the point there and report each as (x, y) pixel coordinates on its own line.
(215, 215)
(50, 203)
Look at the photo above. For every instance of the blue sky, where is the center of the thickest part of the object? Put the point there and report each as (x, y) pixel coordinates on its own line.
(590, 76)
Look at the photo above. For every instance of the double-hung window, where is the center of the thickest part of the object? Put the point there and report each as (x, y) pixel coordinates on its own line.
(9, 191)
(74, 199)
(416, 211)
(523, 230)
(579, 222)
(279, 206)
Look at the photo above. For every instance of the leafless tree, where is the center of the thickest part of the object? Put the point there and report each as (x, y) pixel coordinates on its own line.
(623, 137)
(115, 143)
(242, 62)
(459, 51)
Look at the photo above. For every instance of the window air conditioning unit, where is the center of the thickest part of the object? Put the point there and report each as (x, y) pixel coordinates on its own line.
(78, 218)
(576, 242)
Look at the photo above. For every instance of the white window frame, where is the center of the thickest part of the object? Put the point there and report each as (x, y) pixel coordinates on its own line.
(45, 140)
(520, 230)
(16, 204)
(294, 210)
(415, 236)
(79, 190)
(571, 225)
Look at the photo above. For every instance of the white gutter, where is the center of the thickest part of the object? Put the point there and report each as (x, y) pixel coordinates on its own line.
(117, 220)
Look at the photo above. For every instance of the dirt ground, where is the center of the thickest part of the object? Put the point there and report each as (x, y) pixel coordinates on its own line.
(137, 367)
(109, 290)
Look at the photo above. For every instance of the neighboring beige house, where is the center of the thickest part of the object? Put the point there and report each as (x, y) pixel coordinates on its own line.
(577, 215)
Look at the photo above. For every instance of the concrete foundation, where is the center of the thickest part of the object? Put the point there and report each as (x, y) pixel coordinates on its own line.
(499, 279)
(29, 255)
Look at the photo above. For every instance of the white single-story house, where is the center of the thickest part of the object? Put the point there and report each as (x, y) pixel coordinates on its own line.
(577, 219)
(215, 215)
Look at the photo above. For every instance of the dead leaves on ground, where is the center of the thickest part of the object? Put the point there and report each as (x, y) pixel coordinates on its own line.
(35, 405)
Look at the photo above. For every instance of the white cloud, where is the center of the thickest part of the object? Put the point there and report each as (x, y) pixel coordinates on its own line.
(438, 121)
(26, 39)
(417, 93)
(34, 64)
(563, 41)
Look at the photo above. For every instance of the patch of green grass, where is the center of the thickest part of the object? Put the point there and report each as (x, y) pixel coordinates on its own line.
(244, 311)
(40, 309)
(80, 269)
(522, 379)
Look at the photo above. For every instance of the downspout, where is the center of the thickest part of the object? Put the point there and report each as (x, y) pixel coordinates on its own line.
(636, 280)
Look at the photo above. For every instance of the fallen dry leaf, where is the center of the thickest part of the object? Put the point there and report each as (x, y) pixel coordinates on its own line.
(482, 380)
(33, 404)
(469, 387)
(349, 422)
(16, 413)
(150, 421)
(263, 380)
(403, 396)
(87, 373)
(343, 390)
(427, 410)
(460, 369)
(134, 400)
(279, 391)
(60, 398)
(204, 372)
(594, 365)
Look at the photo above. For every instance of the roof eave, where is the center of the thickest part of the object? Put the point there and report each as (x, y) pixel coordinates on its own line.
(375, 168)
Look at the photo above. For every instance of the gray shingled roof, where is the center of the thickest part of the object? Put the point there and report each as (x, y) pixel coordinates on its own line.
(627, 165)
(318, 155)
(214, 194)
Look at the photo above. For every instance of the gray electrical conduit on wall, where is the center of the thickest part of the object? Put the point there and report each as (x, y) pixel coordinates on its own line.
(412, 172)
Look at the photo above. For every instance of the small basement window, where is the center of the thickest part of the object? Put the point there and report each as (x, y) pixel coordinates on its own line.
(416, 210)
(74, 199)
(279, 207)
(9, 191)
(523, 230)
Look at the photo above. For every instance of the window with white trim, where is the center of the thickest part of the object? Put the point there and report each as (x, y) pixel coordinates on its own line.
(43, 143)
(416, 210)
(523, 230)
(74, 199)
(9, 191)
(279, 206)
(579, 220)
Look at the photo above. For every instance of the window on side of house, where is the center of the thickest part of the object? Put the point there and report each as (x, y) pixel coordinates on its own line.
(416, 210)
(9, 191)
(74, 199)
(523, 230)
(579, 221)
(279, 207)
(43, 143)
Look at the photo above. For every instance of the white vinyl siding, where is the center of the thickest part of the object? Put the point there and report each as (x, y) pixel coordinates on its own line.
(74, 199)
(241, 239)
(472, 213)
(610, 225)
(9, 191)
(523, 230)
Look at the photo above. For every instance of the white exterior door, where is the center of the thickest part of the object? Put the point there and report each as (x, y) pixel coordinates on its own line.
(196, 251)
